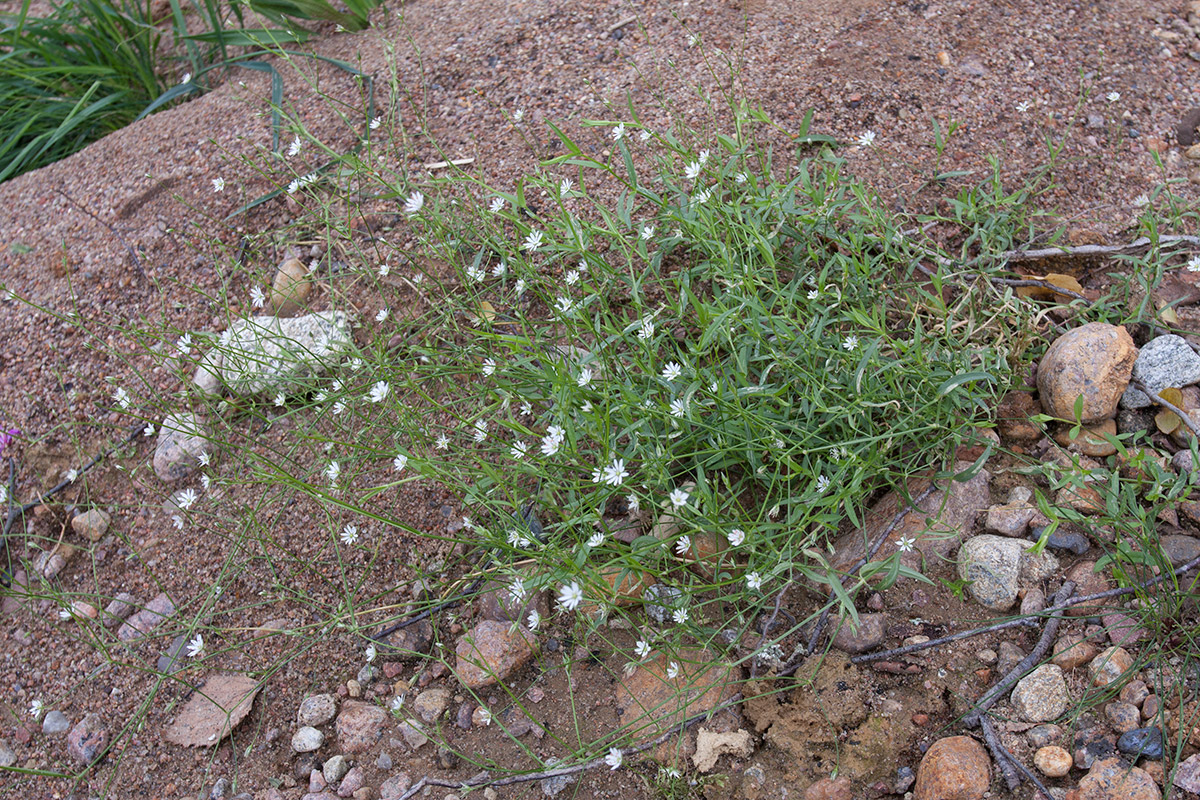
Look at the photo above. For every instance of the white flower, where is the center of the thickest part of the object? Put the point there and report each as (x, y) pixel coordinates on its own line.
(565, 305)
(442, 442)
(564, 187)
(279, 399)
(519, 287)
(692, 39)
(679, 498)
(867, 139)
(703, 158)
(741, 177)
(618, 133)
(187, 78)
(822, 484)
(480, 430)
(339, 407)
(65, 614)
(683, 545)
(384, 269)
(1024, 106)
(397, 702)
(1194, 264)
(148, 431)
(679, 407)
(613, 759)
(701, 197)
(642, 649)
(218, 184)
(466, 522)
(497, 205)
(850, 344)
(671, 371)
(400, 462)
(205, 481)
(3, 495)
(476, 273)
(634, 504)
(485, 716)
(570, 596)
(379, 391)
(370, 653)
(583, 267)
(533, 620)
(499, 270)
(294, 148)
(585, 377)
(596, 539)
(349, 534)
(204, 459)
(754, 580)
(186, 499)
(550, 444)
(195, 648)
(905, 544)
(519, 450)
(36, 709)
(526, 409)
(647, 232)
(572, 277)
(414, 204)
(321, 396)
(257, 298)
(121, 397)
(519, 114)
(813, 294)
(333, 471)
(680, 616)
(692, 170)
(489, 366)
(375, 123)
(1113, 97)
(533, 241)
(644, 135)
(1141, 201)
(614, 474)
(672, 670)
(177, 521)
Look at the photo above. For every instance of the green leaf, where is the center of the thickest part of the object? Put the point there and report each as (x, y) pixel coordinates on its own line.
(958, 380)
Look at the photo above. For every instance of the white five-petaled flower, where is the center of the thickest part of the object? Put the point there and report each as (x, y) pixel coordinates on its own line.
(534, 620)
(1024, 106)
(701, 197)
(36, 709)
(672, 670)
(379, 391)
(333, 471)
(614, 474)
(519, 114)
(519, 450)
(634, 504)
(218, 184)
(499, 270)
(370, 653)
(565, 305)
(596, 539)
(384, 269)
(905, 544)
(552, 440)
(754, 580)
(642, 648)
(279, 399)
(1141, 201)
(485, 716)
(205, 459)
(618, 133)
(442, 442)
(813, 294)
(148, 431)
(195, 648)
(400, 462)
(186, 499)
(1193, 265)
(736, 537)
(572, 277)
(187, 78)
(645, 135)
(205, 481)
(702, 159)
(375, 123)
(647, 232)
(121, 397)
(613, 759)
(294, 148)
(382, 314)
(414, 204)
(397, 702)
(1113, 97)
(692, 170)
(489, 366)
(257, 298)
(177, 521)
(683, 545)
(647, 328)
(850, 344)
(741, 177)
(867, 139)
(476, 273)
(570, 596)
(671, 371)
(585, 377)
(519, 287)
(564, 188)
(349, 534)
(533, 241)
(822, 484)
(679, 498)
(679, 407)
(497, 205)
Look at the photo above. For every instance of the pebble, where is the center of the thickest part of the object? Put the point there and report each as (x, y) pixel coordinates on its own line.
(307, 739)
(660, 601)
(384, 761)
(1109, 666)
(334, 769)
(119, 609)
(265, 353)
(904, 780)
(91, 524)
(870, 633)
(182, 439)
(413, 735)
(996, 566)
(1187, 775)
(463, 716)
(49, 564)
(1041, 695)
(1180, 549)
(8, 756)
(316, 781)
(1053, 761)
(554, 786)
(1165, 361)
(431, 704)
(1091, 745)
(987, 657)
(1183, 462)
(1123, 629)
(290, 288)
(957, 766)
(829, 789)
(1142, 742)
(88, 740)
(1072, 650)
(359, 726)
(447, 758)
(1012, 518)
(1094, 362)
(1010, 655)
(1034, 602)
(408, 642)
(316, 710)
(1072, 541)
(207, 378)
(220, 789)
(491, 652)
(1151, 706)
(1113, 779)
(1092, 440)
(55, 723)
(393, 787)
(1044, 735)
(1122, 717)
(352, 782)
(1087, 582)
(146, 620)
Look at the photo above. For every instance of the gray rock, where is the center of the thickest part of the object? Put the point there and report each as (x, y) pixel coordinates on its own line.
(207, 380)
(1012, 518)
(182, 439)
(55, 723)
(1183, 462)
(88, 740)
(359, 726)
(431, 704)
(91, 524)
(1166, 361)
(353, 781)
(413, 735)
(997, 566)
(220, 789)
(267, 353)
(1180, 549)
(143, 622)
(393, 787)
(316, 710)
(173, 660)
(870, 633)
(384, 761)
(1122, 717)
(660, 601)
(553, 786)
(1187, 775)
(307, 739)
(1142, 743)
(7, 756)
(1009, 656)
(1041, 695)
(121, 607)
(334, 769)
(1044, 735)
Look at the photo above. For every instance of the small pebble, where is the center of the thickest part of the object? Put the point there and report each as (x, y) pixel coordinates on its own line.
(1143, 742)
(1053, 761)
(307, 739)
(55, 723)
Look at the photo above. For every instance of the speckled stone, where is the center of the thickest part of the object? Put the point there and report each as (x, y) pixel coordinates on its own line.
(954, 768)
(1053, 761)
(1041, 695)
(1093, 361)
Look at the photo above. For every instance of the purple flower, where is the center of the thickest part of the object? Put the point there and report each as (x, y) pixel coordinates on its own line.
(7, 437)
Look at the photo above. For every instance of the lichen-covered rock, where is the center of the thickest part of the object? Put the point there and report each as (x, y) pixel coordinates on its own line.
(262, 354)
(997, 566)
(182, 439)
(1165, 362)
(1041, 695)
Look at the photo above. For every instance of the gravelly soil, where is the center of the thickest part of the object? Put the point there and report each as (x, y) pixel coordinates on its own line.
(110, 235)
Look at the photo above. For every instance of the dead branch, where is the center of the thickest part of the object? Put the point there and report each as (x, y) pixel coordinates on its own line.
(1095, 249)
(1004, 761)
(1179, 412)
(1047, 285)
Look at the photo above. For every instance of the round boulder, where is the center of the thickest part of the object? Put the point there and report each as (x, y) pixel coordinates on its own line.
(954, 768)
(1094, 362)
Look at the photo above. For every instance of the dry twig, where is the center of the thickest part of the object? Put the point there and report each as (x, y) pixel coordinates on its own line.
(1179, 412)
